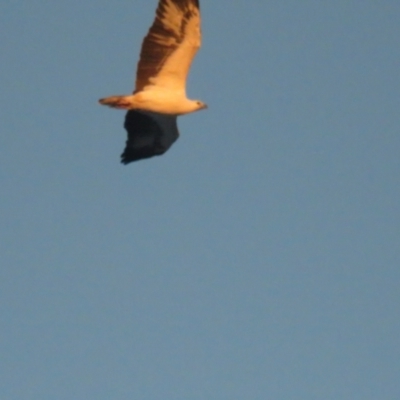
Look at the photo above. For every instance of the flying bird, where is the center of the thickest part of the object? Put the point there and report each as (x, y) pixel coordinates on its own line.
(160, 93)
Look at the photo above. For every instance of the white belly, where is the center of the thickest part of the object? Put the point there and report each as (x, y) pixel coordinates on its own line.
(164, 102)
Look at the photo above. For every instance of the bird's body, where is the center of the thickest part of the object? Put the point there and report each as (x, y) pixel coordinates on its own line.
(154, 100)
(160, 93)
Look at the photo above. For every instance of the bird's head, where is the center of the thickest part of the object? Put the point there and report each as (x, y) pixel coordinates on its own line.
(200, 105)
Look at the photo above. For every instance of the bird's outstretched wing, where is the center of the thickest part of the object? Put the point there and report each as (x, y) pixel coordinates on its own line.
(149, 134)
(170, 46)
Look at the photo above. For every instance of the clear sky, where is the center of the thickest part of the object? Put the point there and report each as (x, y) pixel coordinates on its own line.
(259, 258)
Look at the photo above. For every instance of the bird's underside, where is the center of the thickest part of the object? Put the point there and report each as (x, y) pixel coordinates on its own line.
(160, 93)
(162, 101)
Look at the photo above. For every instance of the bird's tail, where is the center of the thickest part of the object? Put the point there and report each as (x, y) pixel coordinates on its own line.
(122, 102)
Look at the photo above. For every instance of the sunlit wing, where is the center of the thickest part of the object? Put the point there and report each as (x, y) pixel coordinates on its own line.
(170, 46)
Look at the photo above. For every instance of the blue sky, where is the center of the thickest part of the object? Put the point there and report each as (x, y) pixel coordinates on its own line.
(257, 259)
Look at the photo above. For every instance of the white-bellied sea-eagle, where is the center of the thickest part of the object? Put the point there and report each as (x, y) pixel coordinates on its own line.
(160, 93)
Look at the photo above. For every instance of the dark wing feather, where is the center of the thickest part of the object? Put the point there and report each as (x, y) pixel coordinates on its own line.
(148, 135)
